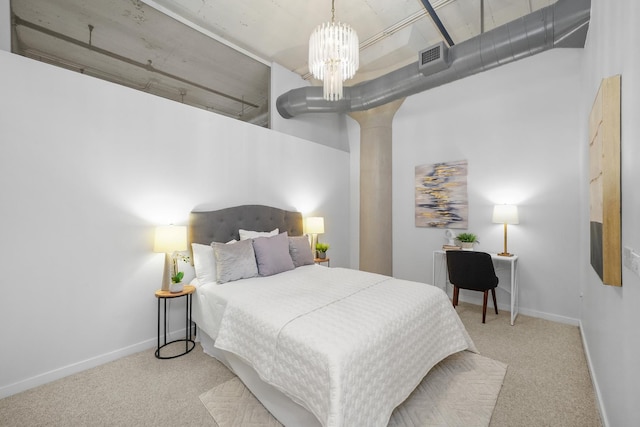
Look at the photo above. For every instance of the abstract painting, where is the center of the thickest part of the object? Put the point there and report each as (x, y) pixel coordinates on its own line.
(441, 195)
(604, 183)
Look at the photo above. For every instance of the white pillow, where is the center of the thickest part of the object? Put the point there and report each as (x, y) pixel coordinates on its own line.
(246, 234)
(235, 261)
(204, 263)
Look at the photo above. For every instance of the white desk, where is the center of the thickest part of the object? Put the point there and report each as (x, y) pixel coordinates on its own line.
(499, 263)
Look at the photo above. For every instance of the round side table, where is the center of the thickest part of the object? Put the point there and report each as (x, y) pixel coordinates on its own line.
(189, 343)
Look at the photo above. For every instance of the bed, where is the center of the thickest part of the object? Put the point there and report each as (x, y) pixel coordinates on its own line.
(317, 346)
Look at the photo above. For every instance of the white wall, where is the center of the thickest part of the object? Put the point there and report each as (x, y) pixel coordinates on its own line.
(5, 26)
(88, 169)
(610, 316)
(517, 126)
(324, 128)
(333, 130)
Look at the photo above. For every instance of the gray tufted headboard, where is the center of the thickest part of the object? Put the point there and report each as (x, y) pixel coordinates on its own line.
(223, 225)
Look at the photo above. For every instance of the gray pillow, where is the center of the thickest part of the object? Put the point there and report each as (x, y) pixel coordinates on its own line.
(272, 254)
(300, 250)
(234, 261)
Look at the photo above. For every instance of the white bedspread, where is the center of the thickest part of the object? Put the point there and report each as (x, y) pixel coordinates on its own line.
(347, 345)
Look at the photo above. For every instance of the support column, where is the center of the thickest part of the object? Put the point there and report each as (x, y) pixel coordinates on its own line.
(376, 236)
(5, 26)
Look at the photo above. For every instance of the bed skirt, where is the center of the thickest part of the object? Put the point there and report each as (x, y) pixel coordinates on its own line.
(285, 410)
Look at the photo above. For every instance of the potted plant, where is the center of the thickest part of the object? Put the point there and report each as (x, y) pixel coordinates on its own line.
(177, 276)
(467, 240)
(321, 250)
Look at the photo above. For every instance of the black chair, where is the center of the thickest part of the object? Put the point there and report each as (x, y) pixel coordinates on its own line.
(472, 270)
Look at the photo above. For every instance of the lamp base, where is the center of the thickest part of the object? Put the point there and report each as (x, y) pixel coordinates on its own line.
(505, 254)
(166, 275)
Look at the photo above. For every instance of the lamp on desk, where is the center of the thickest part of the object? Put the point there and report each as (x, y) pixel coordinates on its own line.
(170, 239)
(314, 225)
(505, 214)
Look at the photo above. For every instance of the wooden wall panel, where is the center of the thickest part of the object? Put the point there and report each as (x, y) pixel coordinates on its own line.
(604, 182)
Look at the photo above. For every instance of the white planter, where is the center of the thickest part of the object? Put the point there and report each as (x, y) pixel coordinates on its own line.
(467, 246)
(176, 287)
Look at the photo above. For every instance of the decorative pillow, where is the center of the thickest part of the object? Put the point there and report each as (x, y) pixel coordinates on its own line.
(204, 262)
(272, 254)
(246, 234)
(300, 250)
(234, 261)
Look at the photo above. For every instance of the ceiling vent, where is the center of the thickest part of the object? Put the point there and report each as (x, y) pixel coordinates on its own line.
(433, 59)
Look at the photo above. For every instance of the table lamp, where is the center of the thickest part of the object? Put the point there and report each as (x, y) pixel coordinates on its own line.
(314, 225)
(505, 214)
(170, 239)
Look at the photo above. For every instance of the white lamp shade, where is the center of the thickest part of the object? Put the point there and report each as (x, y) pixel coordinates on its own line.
(505, 214)
(314, 225)
(170, 238)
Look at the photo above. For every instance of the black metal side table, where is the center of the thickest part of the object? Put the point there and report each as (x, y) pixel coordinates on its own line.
(189, 343)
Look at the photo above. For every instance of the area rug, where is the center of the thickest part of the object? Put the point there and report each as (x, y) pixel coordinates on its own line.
(460, 391)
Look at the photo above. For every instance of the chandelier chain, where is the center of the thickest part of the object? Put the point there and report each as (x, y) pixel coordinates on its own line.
(333, 10)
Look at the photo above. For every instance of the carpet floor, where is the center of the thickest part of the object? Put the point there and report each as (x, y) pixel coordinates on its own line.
(547, 383)
(461, 391)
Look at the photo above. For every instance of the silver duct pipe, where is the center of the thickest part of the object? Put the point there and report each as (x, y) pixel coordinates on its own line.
(563, 24)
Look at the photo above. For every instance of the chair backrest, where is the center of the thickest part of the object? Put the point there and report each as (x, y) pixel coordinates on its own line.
(471, 270)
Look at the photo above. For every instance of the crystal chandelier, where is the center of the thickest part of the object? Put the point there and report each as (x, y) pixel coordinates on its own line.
(333, 55)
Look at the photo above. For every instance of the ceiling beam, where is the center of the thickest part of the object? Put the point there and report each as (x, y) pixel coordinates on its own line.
(148, 66)
(438, 22)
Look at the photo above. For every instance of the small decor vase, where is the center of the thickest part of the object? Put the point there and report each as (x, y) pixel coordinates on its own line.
(176, 287)
(322, 255)
(467, 246)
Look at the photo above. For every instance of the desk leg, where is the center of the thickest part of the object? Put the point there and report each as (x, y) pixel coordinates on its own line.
(433, 269)
(440, 260)
(439, 265)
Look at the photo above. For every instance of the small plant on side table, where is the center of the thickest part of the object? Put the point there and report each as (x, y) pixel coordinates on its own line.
(321, 250)
(177, 276)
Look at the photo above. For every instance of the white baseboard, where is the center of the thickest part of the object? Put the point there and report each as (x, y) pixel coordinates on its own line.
(527, 312)
(594, 380)
(83, 365)
(548, 316)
